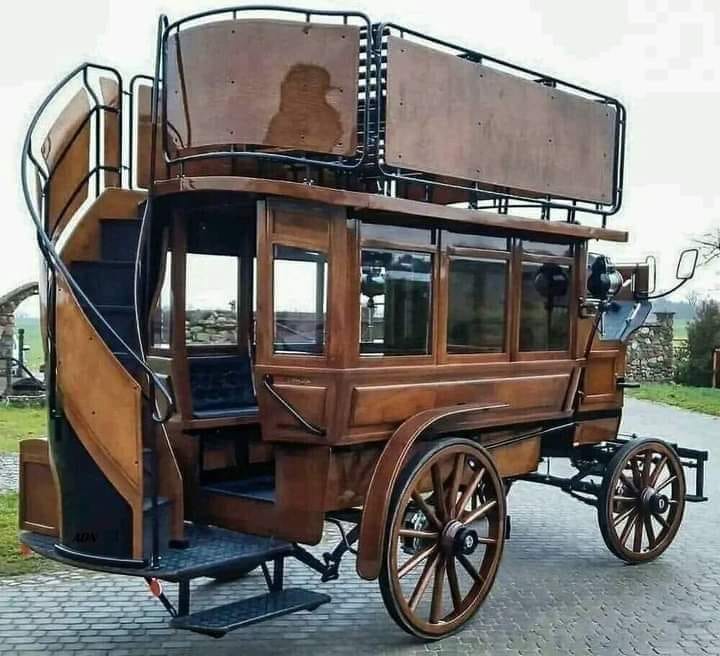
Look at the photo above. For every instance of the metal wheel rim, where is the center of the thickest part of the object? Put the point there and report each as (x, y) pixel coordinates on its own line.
(638, 529)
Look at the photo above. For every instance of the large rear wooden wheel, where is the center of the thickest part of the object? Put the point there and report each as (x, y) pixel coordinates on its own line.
(642, 500)
(444, 538)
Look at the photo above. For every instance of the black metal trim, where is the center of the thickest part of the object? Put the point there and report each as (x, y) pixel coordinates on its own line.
(100, 561)
(309, 427)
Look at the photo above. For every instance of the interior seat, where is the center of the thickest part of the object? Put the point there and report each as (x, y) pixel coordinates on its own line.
(222, 386)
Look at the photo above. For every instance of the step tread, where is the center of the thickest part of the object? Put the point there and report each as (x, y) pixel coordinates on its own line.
(260, 488)
(220, 620)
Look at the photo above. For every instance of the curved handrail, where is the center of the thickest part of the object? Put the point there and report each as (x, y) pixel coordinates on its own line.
(308, 426)
(53, 258)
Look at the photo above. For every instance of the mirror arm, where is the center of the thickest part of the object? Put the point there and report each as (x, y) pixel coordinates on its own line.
(650, 297)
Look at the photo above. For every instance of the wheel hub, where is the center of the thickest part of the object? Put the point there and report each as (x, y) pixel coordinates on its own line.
(459, 540)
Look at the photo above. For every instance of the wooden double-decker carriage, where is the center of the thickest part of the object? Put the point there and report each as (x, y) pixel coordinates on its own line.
(318, 269)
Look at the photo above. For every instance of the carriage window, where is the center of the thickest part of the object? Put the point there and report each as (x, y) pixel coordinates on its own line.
(161, 320)
(476, 306)
(395, 301)
(469, 240)
(299, 300)
(542, 248)
(544, 311)
(211, 299)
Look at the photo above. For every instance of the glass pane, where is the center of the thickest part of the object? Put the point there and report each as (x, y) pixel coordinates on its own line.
(399, 234)
(211, 298)
(467, 240)
(476, 306)
(546, 248)
(395, 300)
(544, 318)
(161, 315)
(299, 300)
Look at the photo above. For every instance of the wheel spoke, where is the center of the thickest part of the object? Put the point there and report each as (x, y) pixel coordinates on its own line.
(628, 482)
(637, 538)
(427, 511)
(661, 520)
(439, 493)
(479, 513)
(628, 527)
(666, 483)
(626, 514)
(423, 535)
(470, 568)
(422, 584)
(621, 498)
(647, 463)
(454, 584)
(455, 485)
(469, 490)
(413, 562)
(436, 606)
(658, 470)
(637, 478)
(650, 532)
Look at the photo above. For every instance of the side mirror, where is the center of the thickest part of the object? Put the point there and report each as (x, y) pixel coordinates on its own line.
(687, 264)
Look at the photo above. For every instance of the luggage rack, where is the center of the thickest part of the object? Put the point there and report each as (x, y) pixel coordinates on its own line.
(487, 196)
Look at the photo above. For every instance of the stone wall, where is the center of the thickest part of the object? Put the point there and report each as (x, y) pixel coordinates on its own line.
(211, 327)
(8, 304)
(650, 350)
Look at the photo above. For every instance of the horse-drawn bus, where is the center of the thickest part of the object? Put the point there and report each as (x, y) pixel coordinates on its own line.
(319, 269)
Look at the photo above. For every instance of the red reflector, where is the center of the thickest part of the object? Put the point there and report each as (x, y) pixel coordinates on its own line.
(155, 587)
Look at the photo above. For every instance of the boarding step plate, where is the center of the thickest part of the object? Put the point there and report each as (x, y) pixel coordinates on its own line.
(216, 622)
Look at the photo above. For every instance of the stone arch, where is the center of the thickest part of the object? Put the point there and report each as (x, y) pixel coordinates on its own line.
(8, 304)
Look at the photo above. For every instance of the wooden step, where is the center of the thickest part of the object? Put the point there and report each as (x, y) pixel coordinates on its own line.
(216, 622)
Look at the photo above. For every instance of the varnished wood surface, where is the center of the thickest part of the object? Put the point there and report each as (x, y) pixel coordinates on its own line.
(39, 508)
(397, 206)
(83, 243)
(450, 116)
(106, 414)
(111, 130)
(68, 170)
(285, 84)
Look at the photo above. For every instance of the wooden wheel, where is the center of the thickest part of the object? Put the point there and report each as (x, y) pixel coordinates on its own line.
(444, 538)
(642, 500)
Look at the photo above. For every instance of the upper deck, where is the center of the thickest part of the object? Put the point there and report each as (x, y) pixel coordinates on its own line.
(332, 101)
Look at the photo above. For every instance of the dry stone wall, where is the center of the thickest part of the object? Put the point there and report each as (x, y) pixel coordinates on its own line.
(650, 350)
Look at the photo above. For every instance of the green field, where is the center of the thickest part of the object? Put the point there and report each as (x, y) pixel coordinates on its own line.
(12, 562)
(18, 423)
(34, 357)
(699, 399)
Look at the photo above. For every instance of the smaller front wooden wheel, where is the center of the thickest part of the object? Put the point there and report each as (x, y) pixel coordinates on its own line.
(444, 538)
(642, 500)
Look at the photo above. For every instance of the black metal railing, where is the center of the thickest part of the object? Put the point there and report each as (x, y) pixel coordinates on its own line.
(258, 151)
(485, 196)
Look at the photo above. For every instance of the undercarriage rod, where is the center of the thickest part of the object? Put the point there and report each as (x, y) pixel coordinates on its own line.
(575, 486)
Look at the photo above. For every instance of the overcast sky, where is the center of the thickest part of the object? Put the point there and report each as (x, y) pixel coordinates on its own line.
(659, 57)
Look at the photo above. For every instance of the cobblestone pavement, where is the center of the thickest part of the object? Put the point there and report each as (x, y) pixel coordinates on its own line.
(559, 591)
(8, 473)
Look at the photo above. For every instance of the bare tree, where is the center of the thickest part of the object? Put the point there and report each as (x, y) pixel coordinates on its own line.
(709, 245)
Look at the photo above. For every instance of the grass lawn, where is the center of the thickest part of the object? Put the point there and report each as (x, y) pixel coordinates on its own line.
(700, 399)
(12, 562)
(18, 423)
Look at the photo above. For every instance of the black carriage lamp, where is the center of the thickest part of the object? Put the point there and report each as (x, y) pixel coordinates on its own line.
(551, 282)
(604, 280)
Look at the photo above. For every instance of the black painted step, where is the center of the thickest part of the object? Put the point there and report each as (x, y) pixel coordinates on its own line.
(216, 622)
(258, 488)
(122, 320)
(105, 283)
(118, 239)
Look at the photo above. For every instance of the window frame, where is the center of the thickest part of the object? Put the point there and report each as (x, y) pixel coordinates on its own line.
(378, 359)
(450, 253)
(521, 258)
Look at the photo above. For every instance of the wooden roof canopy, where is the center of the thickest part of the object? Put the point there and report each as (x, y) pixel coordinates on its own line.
(331, 107)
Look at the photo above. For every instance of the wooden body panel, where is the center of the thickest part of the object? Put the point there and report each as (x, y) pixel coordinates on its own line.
(106, 415)
(507, 131)
(66, 150)
(284, 84)
(39, 508)
(111, 130)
